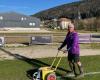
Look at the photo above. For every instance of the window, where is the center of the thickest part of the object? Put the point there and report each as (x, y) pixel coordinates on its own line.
(1, 17)
(32, 24)
(23, 18)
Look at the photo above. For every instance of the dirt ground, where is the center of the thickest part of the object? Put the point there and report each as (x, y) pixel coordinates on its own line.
(39, 51)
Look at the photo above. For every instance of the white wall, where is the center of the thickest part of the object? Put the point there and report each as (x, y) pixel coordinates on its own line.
(64, 24)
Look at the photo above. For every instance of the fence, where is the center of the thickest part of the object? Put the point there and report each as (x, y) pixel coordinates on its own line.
(44, 39)
(89, 38)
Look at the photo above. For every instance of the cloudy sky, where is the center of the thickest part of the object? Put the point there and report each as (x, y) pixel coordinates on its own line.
(29, 7)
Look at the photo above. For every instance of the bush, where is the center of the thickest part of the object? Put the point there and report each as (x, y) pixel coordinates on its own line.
(80, 25)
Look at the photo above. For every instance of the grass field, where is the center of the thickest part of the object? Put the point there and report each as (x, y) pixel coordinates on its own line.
(17, 69)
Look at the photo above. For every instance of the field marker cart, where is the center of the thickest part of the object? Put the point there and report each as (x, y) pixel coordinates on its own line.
(47, 73)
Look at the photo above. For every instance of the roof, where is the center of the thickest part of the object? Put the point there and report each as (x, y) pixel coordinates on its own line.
(15, 14)
(64, 19)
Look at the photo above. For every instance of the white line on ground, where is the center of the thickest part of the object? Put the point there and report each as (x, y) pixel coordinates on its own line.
(92, 73)
(86, 74)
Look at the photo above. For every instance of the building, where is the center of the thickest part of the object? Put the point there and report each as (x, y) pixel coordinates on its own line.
(63, 23)
(13, 20)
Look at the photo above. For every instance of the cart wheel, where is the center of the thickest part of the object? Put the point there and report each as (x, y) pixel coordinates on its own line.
(51, 76)
(34, 75)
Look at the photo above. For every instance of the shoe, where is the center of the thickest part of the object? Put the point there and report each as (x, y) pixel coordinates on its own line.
(69, 74)
(79, 76)
(68, 71)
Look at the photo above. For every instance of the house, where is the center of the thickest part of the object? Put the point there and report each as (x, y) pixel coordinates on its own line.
(13, 21)
(63, 23)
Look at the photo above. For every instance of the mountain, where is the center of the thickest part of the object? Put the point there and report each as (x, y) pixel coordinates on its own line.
(83, 9)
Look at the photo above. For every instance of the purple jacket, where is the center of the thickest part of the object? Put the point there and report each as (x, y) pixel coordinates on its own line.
(71, 41)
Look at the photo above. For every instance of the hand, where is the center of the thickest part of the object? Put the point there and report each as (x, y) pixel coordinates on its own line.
(65, 51)
(59, 49)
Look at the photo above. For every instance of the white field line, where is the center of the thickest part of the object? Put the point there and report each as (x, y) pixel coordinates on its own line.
(85, 74)
(92, 73)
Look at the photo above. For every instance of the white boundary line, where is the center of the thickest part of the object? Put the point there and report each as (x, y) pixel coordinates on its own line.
(85, 74)
(91, 73)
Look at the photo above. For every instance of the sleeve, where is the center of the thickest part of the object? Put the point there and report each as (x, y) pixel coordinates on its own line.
(64, 43)
(75, 40)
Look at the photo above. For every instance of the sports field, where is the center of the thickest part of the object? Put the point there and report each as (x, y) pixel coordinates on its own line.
(17, 69)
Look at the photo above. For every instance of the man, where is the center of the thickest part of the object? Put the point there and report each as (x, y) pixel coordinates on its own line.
(73, 49)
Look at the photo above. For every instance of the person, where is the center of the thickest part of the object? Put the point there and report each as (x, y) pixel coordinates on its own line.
(73, 49)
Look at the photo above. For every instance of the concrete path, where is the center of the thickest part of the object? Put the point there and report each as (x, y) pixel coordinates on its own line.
(39, 52)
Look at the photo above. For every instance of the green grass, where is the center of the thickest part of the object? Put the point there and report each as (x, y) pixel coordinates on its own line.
(54, 46)
(90, 46)
(17, 69)
(95, 45)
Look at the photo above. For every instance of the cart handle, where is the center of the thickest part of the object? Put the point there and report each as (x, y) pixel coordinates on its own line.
(56, 58)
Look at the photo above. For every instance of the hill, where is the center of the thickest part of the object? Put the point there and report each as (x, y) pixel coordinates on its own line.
(84, 8)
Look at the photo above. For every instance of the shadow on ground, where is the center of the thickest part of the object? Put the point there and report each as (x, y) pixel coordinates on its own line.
(34, 62)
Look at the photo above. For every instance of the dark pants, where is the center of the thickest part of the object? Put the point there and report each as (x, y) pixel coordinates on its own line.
(73, 57)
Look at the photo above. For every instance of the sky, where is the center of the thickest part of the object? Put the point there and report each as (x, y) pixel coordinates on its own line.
(29, 7)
